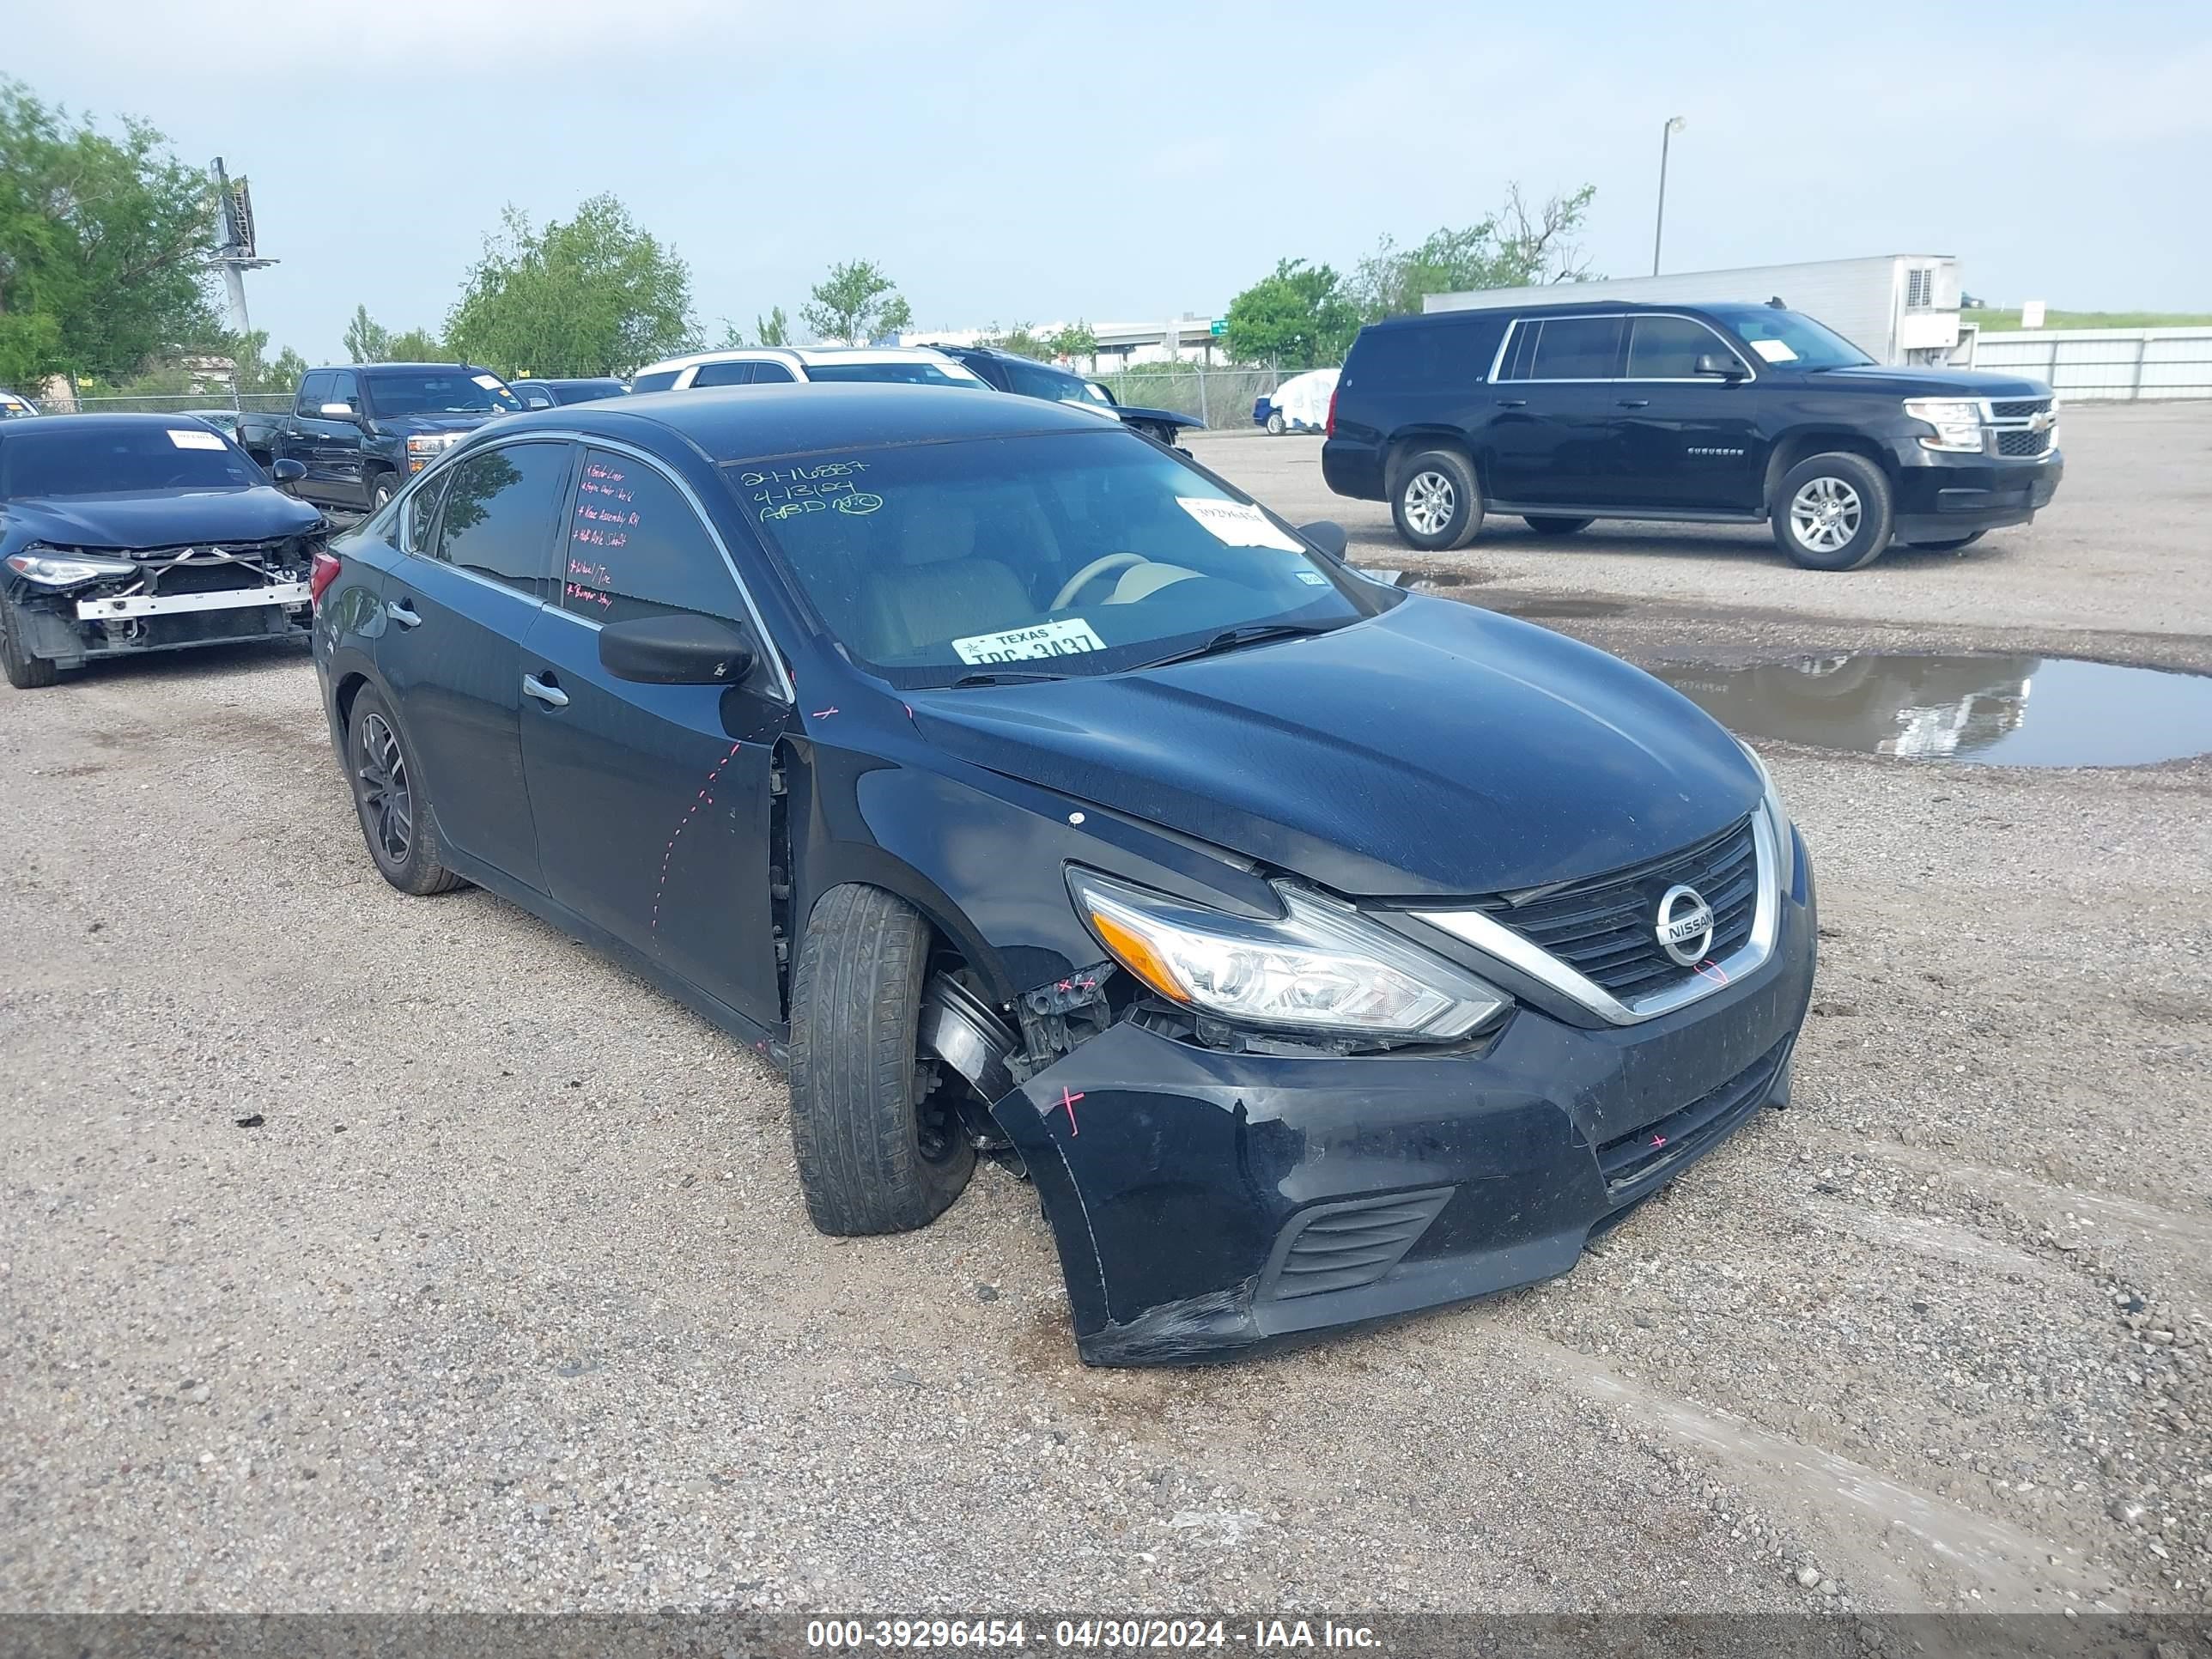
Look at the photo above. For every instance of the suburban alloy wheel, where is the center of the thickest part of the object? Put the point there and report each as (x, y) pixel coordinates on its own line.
(396, 820)
(1435, 502)
(1832, 512)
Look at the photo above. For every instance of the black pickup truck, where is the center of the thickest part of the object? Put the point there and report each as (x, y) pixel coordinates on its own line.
(362, 432)
(1711, 413)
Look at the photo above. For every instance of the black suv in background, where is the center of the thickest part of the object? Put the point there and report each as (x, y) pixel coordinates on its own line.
(1712, 414)
(1025, 377)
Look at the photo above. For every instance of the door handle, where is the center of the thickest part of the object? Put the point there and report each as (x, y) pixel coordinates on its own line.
(403, 613)
(1635, 402)
(545, 690)
(1513, 402)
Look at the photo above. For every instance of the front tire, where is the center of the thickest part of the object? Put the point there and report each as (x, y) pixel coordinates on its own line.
(25, 671)
(382, 487)
(870, 1159)
(1275, 425)
(1832, 512)
(396, 819)
(1435, 501)
(1550, 526)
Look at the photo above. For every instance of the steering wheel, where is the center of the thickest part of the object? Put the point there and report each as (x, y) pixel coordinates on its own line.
(1076, 583)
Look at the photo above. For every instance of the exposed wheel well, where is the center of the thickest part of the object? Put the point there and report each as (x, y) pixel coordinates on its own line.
(1798, 445)
(349, 689)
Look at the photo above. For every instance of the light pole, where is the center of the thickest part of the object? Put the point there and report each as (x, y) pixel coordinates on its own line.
(1674, 125)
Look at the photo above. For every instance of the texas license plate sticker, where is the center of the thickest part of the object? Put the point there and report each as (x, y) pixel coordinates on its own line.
(188, 440)
(1238, 524)
(1053, 639)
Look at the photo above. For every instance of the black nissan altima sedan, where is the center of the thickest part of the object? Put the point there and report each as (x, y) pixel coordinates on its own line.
(1322, 952)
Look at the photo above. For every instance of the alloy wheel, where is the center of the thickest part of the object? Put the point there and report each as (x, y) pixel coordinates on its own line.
(387, 805)
(1431, 501)
(1825, 514)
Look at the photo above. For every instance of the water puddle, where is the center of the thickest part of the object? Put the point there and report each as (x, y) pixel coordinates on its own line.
(1991, 711)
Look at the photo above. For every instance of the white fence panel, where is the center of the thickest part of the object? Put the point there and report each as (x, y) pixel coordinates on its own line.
(2086, 365)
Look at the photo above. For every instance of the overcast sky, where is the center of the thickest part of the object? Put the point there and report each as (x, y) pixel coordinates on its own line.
(1036, 162)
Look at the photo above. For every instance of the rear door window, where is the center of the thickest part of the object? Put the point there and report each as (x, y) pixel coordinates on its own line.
(739, 373)
(636, 547)
(1575, 349)
(659, 380)
(1667, 348)
(767, 373)
(501, 509)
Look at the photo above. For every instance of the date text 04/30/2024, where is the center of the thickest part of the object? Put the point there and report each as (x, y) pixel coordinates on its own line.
(1107, 1634)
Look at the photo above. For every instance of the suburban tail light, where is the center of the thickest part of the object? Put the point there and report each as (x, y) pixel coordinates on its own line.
(1331, 431)
(326, 572)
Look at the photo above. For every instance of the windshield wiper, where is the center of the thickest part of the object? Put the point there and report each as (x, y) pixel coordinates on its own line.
(1230, 639)
(1002, 677)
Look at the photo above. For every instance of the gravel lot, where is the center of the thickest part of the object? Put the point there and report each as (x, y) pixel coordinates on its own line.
(511, 1302)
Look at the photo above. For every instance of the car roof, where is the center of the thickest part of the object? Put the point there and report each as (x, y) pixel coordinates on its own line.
(802, 355)
(1562, 308)
(90, 425)
(736, 423)
(378, 369)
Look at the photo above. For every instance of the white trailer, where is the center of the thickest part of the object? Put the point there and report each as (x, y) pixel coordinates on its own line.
(1896, 307)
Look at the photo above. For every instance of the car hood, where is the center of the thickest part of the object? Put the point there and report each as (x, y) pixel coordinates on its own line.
(425, 423)
(1930, 382)
(1438, 749)
(162, 517)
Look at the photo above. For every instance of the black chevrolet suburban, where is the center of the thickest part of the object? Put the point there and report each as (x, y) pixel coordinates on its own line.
(1712, 414)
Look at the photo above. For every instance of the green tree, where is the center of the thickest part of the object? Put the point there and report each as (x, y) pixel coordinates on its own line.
(366, 340)
(596, 295)
(1514, 248)
(104, 245)
(1297, 318)
(1021, 339)
(854, 304)
(772, 330)
(1075, 339)
(417, 345)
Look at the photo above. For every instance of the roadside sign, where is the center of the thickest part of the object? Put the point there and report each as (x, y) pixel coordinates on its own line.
(1218, 327)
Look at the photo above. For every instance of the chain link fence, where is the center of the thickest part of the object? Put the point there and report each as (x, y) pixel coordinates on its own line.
(170, 403)
(1222, 397)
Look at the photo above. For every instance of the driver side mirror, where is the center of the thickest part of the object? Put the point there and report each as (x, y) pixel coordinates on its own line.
(1715, 362)
(287, 471)
(1328, 536)
(678, 649)
(338, 412)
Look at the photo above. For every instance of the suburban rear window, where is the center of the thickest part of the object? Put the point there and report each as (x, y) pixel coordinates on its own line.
(1438, 355)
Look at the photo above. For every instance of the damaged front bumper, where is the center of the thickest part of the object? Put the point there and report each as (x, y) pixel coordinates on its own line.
(1206, 1202)
(173, 599)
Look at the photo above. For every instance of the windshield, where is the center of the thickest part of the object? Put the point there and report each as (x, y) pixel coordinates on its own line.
(441, 392)
(1056, 554)
(1099, 395)
(901, 372)
(1789, 336)
(82, 458)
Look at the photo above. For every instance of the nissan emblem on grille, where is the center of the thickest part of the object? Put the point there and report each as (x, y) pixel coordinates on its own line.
(1685, 932)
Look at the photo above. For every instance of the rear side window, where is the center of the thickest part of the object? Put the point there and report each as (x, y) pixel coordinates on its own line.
(725, 374)
(1438, 355)
(422, 515)
(659, 380)
(500, 508)
(635, 547)
(773, 374)
(1667, 348)
(1573, 348)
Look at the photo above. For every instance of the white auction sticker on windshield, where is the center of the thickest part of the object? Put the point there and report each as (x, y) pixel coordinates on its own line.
(1774, 351)
(488, 382)
(187, 440)
(1053, 639)
(1239, 524)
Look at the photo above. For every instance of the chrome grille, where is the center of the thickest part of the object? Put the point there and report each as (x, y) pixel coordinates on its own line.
(1603, 927)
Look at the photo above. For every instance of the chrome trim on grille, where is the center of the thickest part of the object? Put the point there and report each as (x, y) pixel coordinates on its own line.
(1487, 934)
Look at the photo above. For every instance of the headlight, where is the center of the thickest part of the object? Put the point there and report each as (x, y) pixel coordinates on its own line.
(52, 567)
(1776, 813)
(434, 443)
(1957, 420)
(1321, 967)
